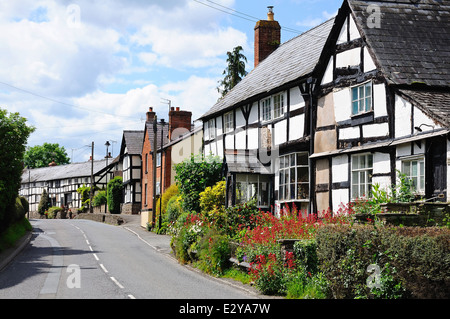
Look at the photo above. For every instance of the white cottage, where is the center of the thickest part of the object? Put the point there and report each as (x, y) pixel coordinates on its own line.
(339, 108)
(261, 128)
(383, 102)
(62, 181)
(131, 161)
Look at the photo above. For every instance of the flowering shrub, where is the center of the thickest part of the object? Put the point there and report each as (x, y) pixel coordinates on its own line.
(270, 274)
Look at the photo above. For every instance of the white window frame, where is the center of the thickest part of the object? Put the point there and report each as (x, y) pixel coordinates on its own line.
(158, 159)
(291, 187)
(361, 177)
(250, 186)
(363, 98)
(211, 126)
(273, 107)
(228, 121)
(417, 177)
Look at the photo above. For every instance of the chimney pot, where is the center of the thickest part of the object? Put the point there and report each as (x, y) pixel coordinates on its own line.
(270, 13)
(178, 108)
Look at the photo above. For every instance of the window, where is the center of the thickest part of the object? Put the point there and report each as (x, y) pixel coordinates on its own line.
(228, 122)
(278, 105)
(414, 169)
(362, 98)
(362, 168)
(158, 159)
(294, 177)
(272, 107)
(266, 112)
(249, 186)
(211, 129)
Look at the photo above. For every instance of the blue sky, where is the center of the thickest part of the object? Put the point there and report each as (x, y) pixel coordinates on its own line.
(83, 71)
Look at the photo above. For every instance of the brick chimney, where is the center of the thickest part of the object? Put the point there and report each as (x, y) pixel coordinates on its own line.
(178, 119)
(267, 37)
(150, 115)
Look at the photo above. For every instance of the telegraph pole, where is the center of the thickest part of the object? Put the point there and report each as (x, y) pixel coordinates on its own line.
(91, 194)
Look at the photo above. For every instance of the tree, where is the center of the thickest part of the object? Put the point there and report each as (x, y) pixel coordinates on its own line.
(14, 133)
(234, 72)
(114, 195)
(193, 175)
(42, 155)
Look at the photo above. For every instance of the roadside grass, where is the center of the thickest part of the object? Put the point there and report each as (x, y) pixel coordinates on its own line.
(237, 274)
(13, 233)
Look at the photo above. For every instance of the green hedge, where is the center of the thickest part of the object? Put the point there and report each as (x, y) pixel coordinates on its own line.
(412, 262)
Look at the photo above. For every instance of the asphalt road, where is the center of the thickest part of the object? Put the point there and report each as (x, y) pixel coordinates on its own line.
(81, 259)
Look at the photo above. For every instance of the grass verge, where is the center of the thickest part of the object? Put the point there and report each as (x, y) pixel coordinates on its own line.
(14, 232)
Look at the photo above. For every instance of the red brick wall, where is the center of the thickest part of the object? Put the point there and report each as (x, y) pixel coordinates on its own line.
(267, 39)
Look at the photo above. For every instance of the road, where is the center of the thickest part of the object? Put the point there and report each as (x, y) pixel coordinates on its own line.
(81, 259)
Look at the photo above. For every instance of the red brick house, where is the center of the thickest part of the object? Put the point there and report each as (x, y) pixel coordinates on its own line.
(157, 156)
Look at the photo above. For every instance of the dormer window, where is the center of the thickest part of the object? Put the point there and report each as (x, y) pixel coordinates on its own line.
(362, 98)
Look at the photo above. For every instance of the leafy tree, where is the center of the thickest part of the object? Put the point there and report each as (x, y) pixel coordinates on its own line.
(234, 71)
(44, 203)
(42, 155)
(193, 175)
(114, 194)
(14, 134)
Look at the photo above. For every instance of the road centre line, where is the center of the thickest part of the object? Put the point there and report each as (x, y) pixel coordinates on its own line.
(104, 269)
(117, 283)
(102, 266)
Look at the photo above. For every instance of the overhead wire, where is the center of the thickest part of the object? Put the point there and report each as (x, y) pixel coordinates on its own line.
(242, 15)
(63, 103)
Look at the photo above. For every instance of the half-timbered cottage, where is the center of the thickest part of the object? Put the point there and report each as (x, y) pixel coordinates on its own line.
(383, 101)
(261, 128)
(371, 84)
(61, 182)
(130, 156)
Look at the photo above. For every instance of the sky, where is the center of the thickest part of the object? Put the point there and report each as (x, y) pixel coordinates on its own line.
(83, 71)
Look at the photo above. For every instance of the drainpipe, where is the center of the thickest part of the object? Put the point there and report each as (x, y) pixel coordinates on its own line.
(311, 85)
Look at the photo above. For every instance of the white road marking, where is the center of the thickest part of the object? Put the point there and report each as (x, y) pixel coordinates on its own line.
(116, 282)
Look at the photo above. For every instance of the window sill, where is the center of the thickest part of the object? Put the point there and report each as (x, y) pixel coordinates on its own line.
(362, 118)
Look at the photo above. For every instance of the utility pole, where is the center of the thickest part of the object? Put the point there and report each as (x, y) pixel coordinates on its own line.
(91, 195)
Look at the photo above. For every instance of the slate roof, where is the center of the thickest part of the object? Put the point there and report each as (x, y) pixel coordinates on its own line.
(133, 140)
(435, 104)
(292, 60)
(411, 44)
(74, 170)
(160, 128)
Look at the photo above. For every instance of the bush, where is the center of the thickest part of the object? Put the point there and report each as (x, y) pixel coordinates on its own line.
(52, 212)
(305, 254)
(193, 175)
(214, 252)
(171, 191)
(99, 199)
(114, 195)
(44, 203)
(411, 262)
